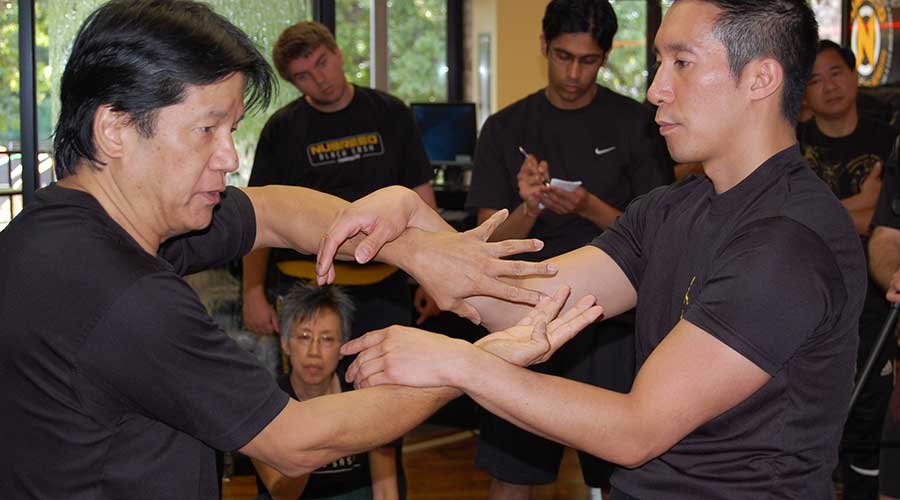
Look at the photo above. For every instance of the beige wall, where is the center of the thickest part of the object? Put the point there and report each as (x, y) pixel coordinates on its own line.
(517, 66)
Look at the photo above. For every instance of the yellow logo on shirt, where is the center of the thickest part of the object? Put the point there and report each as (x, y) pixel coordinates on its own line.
(687, 296)
(345, 149)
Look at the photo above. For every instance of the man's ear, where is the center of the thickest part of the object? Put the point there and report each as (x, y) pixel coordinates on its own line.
(766, 76)
(544, 45)
(109, 126)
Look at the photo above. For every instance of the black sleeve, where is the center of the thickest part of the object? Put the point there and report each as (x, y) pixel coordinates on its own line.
(884, 214)
(774, 286)
(159, 352)
(416, 167)
(651, 165)
(267, 166)
(230, 235)
(491, 185)
(623, 240)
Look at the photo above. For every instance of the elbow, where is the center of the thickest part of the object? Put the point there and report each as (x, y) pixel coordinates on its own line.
(298, 465)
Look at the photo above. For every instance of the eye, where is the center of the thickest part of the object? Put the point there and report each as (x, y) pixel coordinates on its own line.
(681, 63)
(205, 130)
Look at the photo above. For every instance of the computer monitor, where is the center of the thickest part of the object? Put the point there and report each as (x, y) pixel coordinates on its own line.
(448, 131)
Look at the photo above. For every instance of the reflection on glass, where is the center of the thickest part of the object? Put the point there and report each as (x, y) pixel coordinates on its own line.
(828, 15)
(417, 44)
(263, 25)
(352, 20)
(626, 69)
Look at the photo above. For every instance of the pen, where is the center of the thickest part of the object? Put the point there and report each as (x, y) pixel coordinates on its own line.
(525, 154)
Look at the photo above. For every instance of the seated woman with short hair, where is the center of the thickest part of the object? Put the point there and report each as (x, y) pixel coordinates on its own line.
(314, 323)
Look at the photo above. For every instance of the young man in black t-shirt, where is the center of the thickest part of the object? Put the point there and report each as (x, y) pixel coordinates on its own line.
(847, 151)
(577, 130)
(344, 140)
(748, 283)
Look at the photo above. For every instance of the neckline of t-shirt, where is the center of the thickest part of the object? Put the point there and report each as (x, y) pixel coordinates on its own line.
(549, 105)
(852, 136)
(87, 200)
(356, 89)
(736, 197)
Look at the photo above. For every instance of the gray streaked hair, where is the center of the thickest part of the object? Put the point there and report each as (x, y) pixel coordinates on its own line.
(305, 300)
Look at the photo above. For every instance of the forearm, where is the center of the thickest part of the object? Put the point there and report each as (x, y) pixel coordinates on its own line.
(861, 220)
(254, 272)
(884, 255)
(280, 487)
(517, 226)
(601, 422)
(296, 217)
(383, 469)
(587, 271)
(859, 201)
(599, 212)
(317, 431)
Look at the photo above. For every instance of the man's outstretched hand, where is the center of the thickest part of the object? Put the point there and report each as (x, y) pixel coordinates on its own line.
(451, 266)
(413, 357)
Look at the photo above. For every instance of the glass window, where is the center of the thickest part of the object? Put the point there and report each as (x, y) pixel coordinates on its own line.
(352, 20)
(10, 133)
(828, 14)
(263, 25)
(626, 69)
(417, 43)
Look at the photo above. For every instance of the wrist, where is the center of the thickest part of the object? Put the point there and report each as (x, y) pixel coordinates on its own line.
(460, 376)
(528, 212)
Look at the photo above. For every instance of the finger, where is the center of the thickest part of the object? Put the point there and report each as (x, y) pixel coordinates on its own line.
(548, 307)
(340, 232)
(580, 307)
(371, 244)
(367, 341)
(564, 332)
(519, 268)
(367, 369)
(511, 293)
(274, 323)
(506, 248)
(379, 378)
(487, 228)
(465, 310)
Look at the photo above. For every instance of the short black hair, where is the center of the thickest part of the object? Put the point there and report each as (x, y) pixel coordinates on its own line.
(785, 30)
(596, 17)
(304, 301)
(846, 54)
(138, 56)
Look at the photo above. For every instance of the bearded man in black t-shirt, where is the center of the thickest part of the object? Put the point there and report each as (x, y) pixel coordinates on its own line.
(577, 130)
(847, 151)
(344, 140)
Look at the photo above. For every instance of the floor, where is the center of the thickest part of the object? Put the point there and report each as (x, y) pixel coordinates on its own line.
(439, 464)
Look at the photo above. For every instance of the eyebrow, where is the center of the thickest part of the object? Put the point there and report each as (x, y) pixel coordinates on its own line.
(222, 114)
(675, 47)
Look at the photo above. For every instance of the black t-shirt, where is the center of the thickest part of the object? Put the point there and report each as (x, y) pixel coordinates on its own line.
(772, 268)
(114, 380)
(341, 476)
(370, 144)
(844, 163)
(611, 145)
(890, 191)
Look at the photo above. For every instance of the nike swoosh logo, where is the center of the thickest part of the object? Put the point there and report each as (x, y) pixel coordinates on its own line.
(598, 151)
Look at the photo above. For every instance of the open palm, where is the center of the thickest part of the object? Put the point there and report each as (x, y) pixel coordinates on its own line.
(540, 333)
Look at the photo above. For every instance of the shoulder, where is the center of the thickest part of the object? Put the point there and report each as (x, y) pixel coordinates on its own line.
(380, 99)
(519, 111)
